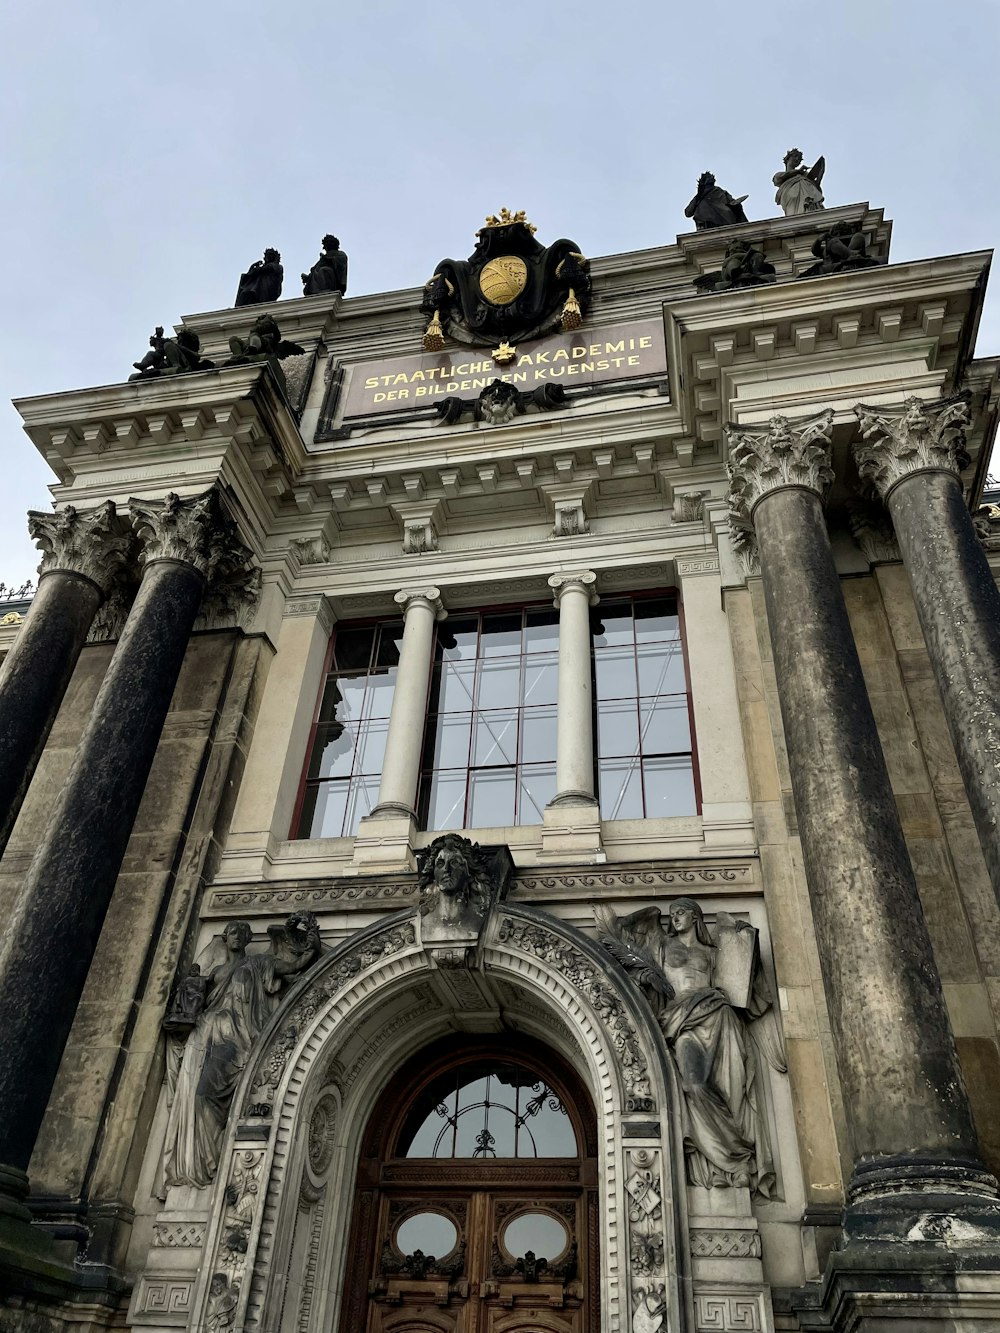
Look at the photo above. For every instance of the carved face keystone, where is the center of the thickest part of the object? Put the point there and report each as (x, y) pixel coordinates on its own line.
(451, 873)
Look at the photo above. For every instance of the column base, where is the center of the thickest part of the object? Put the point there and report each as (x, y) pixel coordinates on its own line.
(915, 1198)
(571, 828)
(384, 841)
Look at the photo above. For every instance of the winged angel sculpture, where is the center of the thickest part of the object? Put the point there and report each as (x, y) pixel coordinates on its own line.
(713, 1005)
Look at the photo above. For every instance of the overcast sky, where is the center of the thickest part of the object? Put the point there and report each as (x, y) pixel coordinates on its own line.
(152, 151)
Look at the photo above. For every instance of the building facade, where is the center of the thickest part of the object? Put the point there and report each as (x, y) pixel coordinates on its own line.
(501, 821)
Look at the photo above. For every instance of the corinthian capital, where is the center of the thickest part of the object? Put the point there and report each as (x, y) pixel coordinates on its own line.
(917, 437)
(94, 544)
(196, 532)
(784, 454)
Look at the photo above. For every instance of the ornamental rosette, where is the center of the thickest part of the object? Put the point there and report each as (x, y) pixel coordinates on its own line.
(95, 544)
(896, 442)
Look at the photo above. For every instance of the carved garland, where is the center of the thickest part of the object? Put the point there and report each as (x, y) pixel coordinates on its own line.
(585, 977)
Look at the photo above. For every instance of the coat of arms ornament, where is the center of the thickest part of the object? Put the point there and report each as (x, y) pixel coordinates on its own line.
(510, 288)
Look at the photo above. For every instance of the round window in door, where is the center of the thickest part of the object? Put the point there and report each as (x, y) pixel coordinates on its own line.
(476, 1202)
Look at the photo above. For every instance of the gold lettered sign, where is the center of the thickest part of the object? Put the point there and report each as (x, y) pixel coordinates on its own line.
(574, 360)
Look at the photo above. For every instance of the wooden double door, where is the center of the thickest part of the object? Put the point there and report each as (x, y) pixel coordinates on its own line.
(476, 1202)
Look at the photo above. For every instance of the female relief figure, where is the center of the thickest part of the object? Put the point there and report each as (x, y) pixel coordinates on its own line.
(726, 1136)
(242, 993)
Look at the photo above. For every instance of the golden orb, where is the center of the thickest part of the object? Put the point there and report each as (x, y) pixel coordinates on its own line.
(503, 280)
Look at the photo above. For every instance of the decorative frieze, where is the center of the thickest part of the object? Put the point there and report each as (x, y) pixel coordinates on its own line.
(917, 437)
(873, 531)
(725, 1243)
(783, 454)
(95, 544)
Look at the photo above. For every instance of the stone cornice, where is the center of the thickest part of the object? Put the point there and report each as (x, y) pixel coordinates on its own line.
(94, 544)
(917, 436)
(784, 454)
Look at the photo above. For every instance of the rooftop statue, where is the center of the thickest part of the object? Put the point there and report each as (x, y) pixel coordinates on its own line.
(713, 206)
(262, 280)
(263, 340)
(713, 1006)
(743, 266)
(798, 185)
(329, 273)
(842, 248)
(511, 287)
(171, 356)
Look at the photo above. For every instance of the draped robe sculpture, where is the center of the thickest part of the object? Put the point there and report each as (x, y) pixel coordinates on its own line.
(714, 1041)
(242, 993)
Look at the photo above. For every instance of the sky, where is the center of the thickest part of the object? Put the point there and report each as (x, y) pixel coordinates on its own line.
(151, 152)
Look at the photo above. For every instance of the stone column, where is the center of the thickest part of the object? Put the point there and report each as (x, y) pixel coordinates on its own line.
(397, 791)
(51, 936)
(574, 596)
(82, 555)
(905, 1102)
(913, 456)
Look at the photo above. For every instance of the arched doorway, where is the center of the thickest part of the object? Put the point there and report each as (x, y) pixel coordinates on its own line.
(475, 1209)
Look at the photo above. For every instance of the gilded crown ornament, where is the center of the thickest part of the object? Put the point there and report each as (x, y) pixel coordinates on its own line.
(507, 219)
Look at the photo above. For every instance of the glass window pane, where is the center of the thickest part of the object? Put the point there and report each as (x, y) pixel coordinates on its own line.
(541, 631)
(541, 679)
(541, 1233)
(669, 787)
(665, 725)
(537, 786)
(329, 808)
(620, 789)
(617, 728)
(656, 619)
(446, 801)
(352, 648)
(455, 685)
(361, 800)
(501, 636)
(491, 798)
(430, 1233)
(499, 684)
(494, 738)
(333, 751)
(347, 695)
(457, 638)
(612, 624)
(390, 641)
(448, 740)
(371, 745)
(661, 669)
(614, 673)
(538, 734)
(378, 698)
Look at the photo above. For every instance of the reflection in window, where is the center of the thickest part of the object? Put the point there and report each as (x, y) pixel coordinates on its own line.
(643, 729)
(345, 760)
(490, 744)
(488, 1110)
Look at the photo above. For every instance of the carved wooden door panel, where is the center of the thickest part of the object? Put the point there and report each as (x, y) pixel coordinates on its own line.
(461, 1224)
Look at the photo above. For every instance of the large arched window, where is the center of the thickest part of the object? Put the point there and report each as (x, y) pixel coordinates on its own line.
(476, 1195)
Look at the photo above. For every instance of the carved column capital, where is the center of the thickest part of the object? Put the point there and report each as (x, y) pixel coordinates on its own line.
(584, 579)
(195, 532)
(917, 437)
(94, 544)
(431, 597)
(782, 454)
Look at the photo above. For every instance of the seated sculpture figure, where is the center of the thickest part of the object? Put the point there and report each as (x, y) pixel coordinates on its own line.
(712, 206)
(242, 993)
(262, 280)
(842, 248)
(713, 1034)
(799, 186)
(743, 266)
(178, 355)
(329, 273)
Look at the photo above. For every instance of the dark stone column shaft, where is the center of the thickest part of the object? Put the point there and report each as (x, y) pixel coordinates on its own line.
(958, 603)
(903, 1091)
(50, 940)
(34, 678)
